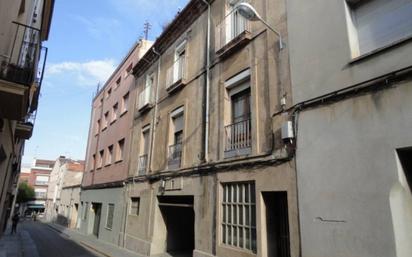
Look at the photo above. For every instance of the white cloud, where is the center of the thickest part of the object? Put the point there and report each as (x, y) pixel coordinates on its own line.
(82, 73)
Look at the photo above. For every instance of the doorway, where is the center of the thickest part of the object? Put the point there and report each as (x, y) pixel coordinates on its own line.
(179, 219)
(97, 210)
(277, 224)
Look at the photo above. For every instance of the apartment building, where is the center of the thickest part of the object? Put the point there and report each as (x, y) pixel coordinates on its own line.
(39, 179)
(24, 26)
(62, 205)
(351, 79)
(211, 173)
(107, 155)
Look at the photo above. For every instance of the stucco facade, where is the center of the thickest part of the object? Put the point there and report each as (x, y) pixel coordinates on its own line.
(181, 208)
(353, 121)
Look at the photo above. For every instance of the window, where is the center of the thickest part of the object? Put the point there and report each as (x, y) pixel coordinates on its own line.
(118, 82)
(177, 72)
(175, 149)
(134, 205)
(374, 24)
(97, 127)
(114, 112)
(405, 158)
(93, 162)
(125, 102)
(143, 158)
(42, 180)
(110, 213)
(40, 193)
(120, 150)
(128, 69)
(109, 155)
(238, 129)
(105, 120)
(108, 92)
(239, 215)
(100, 163)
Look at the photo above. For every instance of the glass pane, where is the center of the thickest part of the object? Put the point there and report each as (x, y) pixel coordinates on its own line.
(229, 194)
(224, 193)
(224, 213)
(229, 235)
(240, 215)
(224, 234)
(241, 237)
(246, 193)
(252, 193)
(234, 214)
(247, 214)
(247, 238)
(253, 215)
(229, 213)
(235, 236)
(234, 193)
(254, 240)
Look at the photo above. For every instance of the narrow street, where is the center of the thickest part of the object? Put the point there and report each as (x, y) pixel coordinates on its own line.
(50, 243)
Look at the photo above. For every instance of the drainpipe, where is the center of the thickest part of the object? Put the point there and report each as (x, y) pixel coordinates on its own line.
(153, 137)
(206, 128)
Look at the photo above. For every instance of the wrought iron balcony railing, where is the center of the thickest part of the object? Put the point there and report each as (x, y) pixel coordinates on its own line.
(238, 135)
(20, 64)
(175, 156)
(142, 164)
(231, 27)
(176, 73)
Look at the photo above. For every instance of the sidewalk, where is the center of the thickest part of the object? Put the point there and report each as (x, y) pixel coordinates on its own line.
(17, 245)
(94, 244)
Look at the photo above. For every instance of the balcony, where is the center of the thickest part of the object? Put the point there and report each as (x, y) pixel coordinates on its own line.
(238, 139)
(142, 164)
(175, 156)
(145, 99)
(176, 74)
(24, 129)
(18, 71)
(232, 34)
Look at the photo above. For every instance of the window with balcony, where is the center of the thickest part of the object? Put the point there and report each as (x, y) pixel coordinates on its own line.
(97, 128)
(232, 32)
(176, 73)
(40, 193)
(42, 180)
(93, 164)
(105, 120)
(115, 111)
(176, 139)
(109, 155)
(238, 216)
(120, 150)
(128, 70)
(100, 160)
(146, 94)
(238, 136)
(108, 92)
(145, 144)
(377, 24)
(125, 103)
(118, 81)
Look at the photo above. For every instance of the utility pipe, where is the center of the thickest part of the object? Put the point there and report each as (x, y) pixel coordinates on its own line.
(206, 143)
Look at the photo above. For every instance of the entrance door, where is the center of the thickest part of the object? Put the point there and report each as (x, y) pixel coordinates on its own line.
(97, 209)
(277, 224)
(179, 218)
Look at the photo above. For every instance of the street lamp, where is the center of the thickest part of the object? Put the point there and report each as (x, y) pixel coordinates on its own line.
(249, 13)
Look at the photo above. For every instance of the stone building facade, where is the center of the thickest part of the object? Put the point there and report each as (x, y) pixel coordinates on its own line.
(24, 26)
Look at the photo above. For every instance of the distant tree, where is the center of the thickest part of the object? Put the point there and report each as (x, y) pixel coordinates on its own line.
(25, 193)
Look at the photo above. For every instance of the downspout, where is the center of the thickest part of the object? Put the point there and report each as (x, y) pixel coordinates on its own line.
(206, 128)
(153, 137)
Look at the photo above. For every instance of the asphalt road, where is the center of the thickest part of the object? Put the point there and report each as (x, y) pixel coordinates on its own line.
(51, 243)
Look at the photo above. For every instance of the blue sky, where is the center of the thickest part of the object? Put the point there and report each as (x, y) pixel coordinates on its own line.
(87, 40)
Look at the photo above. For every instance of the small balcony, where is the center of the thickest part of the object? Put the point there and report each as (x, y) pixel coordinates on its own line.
(24, 129)
(143, 159)
(176, 74)
(232, 34)
(145, 99)
(175, 156)
(19, 66)
(238, 139)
